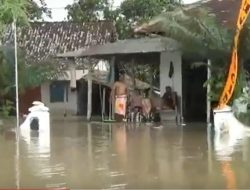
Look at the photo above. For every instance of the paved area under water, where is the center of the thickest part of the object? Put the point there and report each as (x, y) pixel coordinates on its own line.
(114, 156)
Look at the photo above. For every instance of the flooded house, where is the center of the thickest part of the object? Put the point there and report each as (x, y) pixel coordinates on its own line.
(193, 93)
(152, 48)
(160, 52)
(41, 41)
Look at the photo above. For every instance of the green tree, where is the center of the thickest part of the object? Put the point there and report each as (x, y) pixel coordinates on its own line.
(87, 10)
(29, 75)
(143, 10)
(10, 9)
(36, 11)
(134, 12)
(22, 10)
(130, 12)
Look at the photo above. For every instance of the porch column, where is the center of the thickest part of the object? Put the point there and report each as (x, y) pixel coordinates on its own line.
(89, 104)
(111, 82)
(71, 105)
(72, 69)
(208, 92)
(174, 80)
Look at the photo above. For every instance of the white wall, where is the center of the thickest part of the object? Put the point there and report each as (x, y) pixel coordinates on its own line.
(58, 108)
(176, 81)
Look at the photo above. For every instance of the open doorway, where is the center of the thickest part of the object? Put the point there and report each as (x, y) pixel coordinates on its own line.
(194, 94)
(82, 98)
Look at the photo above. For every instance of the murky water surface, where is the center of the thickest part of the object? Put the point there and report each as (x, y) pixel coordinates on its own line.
(81, 155)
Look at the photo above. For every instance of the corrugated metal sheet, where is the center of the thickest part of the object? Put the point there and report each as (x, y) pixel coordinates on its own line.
(130, 46)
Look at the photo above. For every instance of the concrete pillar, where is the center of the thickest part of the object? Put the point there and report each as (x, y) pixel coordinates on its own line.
(72, 70)
(176, 81)
(208, 92)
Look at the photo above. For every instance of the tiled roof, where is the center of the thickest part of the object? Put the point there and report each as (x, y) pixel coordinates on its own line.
(44, 39)
(226, 11)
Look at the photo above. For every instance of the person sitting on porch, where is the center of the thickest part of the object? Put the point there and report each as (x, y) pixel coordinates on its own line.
(168, 99)
(119, 95)
(136, 101)
(146, 105)
(134, 106)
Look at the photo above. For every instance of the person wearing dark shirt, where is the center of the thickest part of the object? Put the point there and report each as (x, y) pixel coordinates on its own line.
(168, 99)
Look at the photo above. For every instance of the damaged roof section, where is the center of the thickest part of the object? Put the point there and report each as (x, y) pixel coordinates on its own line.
(129, 46)
(44, 39)
(224, 11)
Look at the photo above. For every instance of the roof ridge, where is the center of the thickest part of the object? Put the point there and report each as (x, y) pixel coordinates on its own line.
(73, 22)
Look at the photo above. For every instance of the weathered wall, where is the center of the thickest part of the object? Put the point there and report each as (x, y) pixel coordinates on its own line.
(59, 108)
(26, 99)
(176, 81)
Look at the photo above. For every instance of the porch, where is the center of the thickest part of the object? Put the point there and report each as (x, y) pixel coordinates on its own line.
(163, 53)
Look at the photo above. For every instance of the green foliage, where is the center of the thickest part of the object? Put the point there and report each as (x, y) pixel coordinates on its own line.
(6, 108)
(143, 10)
(28, 75)
(219, 71)
(218, 78)
(241, 83)
(35, 11)
(216, 82)
(22, 11)
(10, 9)
(87, 10)
(195, 30)
(130, 12)
(134, 12)
(4, 72)
(244, 48)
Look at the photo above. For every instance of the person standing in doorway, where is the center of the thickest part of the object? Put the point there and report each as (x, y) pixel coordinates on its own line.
(119, 95)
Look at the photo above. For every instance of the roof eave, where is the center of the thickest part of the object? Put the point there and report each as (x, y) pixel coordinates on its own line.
(110, 49)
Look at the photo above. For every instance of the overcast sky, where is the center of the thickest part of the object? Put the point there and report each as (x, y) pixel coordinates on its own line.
(59, 13)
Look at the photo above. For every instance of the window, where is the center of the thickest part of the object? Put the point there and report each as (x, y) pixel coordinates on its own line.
(59, 91)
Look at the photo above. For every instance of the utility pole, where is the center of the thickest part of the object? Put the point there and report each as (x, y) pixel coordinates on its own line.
(16, 75)
(17, 107)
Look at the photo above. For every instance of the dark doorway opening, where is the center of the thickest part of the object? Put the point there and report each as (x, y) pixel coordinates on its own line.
(194, 93)
(82, 98)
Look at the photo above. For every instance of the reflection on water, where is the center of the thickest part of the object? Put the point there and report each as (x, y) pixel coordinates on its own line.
(228, 174)
(80, 155)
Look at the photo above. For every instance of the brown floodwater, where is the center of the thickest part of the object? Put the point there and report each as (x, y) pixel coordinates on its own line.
(113, 156)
